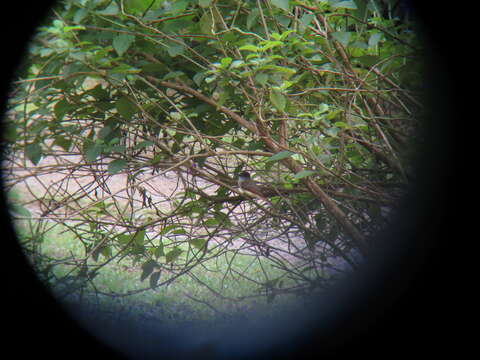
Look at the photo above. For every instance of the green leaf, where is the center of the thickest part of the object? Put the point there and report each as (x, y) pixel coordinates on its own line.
(252, 17)
(282, 4)
(104, 132)
(204, 3)
(322, 108)
(139, 237)
(147, 268)
(116, 166)
(343, 37)
(9, 131)
(154, 279)
(210, 222)
(93, 151)
(63, 142)
(124, 239)
(125, 108)
(61, 108)
(222, 218)
(80, 15)
(175, 49)
(206, 23)
(226, 62)
(283, 35)
(111, 9)
(119, 149)
(332, 131)
(198, 243)
(33, 152)
(178, 6)
(198, 78)
(261, 78)
(280, 69)
(122, 42)
(173, 75)
(74, 27)
(168, 228)
(280, 156)
(224, 96)
(345, 5)
(96, 253)
(125, 69)
(159, 251)
(278, 100)
(303, 173)
(143, 144)
(249, 47)
(179, 231)
(285, 85)
(106, 251)
(305, 20)
(333, 114)
(271, 44)
(368, 60)
(342, 125)
(13, 195)
(173, 255)
(374, 39)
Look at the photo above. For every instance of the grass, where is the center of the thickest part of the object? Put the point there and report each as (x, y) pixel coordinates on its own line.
(170, 301)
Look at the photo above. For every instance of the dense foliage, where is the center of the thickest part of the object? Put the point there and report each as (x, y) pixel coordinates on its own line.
(319, 98)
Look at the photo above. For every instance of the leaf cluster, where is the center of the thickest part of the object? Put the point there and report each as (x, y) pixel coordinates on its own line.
(318, 99)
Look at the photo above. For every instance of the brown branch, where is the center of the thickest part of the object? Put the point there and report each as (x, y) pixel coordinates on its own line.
(291, 164)
(188, 90)
(330, 205)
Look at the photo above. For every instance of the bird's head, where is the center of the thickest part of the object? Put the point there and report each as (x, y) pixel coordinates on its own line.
(244, 175)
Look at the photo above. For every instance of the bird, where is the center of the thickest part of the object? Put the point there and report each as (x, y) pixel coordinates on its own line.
(249, 187)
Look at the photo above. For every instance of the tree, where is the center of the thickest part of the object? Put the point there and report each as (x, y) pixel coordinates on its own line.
(318, 99)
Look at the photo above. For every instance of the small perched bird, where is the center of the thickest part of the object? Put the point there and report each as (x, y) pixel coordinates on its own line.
(250, 187)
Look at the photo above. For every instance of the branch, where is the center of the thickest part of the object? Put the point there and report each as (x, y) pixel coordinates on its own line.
(290, 163)
(188, 90)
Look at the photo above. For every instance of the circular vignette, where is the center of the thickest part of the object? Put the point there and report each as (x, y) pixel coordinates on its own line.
(366, 313)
